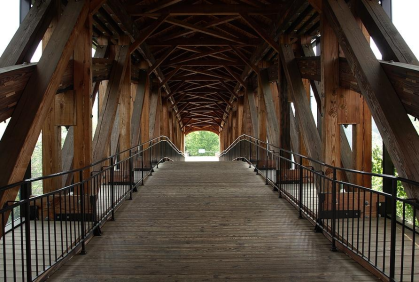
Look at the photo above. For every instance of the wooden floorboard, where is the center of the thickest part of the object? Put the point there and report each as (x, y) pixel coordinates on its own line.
(205, 222)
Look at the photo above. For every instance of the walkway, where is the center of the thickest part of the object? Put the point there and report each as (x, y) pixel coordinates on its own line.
(209, 221)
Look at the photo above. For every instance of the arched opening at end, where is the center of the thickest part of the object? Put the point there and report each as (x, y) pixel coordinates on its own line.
(201, 146)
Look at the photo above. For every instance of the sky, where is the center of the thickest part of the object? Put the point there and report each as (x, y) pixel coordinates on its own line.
(405, 19)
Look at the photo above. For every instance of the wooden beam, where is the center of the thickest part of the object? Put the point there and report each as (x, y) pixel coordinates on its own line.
(145, 34)
(272, 119)
(125, 102)
(51, 133)
(206, 10)
(389, 41)
(30, 32)
(236, 77)
(301, 104)
(20, 137)
(83, 91)
(154, 99)
(107, 116)
(161, 60)
(208, 41)
(244, 59)
(259, 30)
(253, 112)
(138, 108)
(399, 135)
(332, 92)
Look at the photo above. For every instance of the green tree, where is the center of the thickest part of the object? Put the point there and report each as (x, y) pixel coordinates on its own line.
(202, 140)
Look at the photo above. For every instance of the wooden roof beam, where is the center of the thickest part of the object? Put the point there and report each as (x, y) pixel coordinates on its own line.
(162, 59)
(208, 10)
(145, 34)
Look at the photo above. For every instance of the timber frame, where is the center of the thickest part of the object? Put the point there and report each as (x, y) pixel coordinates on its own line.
(229, 67)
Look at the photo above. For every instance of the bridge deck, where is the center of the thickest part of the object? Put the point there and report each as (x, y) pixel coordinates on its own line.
(209, 221)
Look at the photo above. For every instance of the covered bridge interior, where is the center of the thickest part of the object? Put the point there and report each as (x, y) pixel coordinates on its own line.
(244, 69)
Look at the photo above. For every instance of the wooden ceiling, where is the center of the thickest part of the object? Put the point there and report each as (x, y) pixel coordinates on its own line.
(203, 52)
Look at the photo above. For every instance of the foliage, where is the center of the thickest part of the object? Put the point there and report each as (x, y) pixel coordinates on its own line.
(202, 140)
(377, 184)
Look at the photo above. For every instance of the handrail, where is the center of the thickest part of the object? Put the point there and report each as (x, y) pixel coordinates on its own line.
(240, 138)
(352, 215)
(6, 187)
(78, 210)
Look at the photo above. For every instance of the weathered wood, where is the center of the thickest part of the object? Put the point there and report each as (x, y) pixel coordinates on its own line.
(20, 137)
(64, 109)
(107, 116)
(301, 104)
(272, 119)
(389, 114)
(386, 36)
(83, 90)
(125, 100)
(29, 34)
(145, 34)
(51, 134)
(253, 111)
(164, 120)
(331, 93)
(261, 114)
(240, 116)
(138, 107)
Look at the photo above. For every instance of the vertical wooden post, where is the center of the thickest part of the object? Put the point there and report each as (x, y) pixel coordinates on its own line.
(240, 116)
(125, 112)
(164, 122)
(330, 89)
(82, 92)
(51, 134)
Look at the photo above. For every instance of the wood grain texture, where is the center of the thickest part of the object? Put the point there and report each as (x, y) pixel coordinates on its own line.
(216, 222)
(20, 137)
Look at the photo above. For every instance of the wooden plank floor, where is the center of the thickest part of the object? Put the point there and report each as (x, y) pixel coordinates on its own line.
(209, 221)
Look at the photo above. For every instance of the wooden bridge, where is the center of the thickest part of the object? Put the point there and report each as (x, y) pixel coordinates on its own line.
(207, 222)
(244, 70)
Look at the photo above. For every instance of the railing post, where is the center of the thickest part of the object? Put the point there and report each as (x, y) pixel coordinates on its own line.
(150, 144)
(393, 230)
(130, 174)
(280, 175)
(300, 202)
(333, 231)
(27, 233)
(250, 154)
(131, 169)
(83, 214)
(142, 164)
(112, 189)
(257, 157)
(266, 164)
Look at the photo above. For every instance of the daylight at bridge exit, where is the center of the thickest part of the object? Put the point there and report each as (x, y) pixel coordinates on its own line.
(209, 140)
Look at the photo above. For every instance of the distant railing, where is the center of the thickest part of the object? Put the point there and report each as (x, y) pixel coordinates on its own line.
(379, 227)
(39, 232)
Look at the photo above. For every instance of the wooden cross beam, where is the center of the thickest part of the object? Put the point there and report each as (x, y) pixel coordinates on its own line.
(145, 34)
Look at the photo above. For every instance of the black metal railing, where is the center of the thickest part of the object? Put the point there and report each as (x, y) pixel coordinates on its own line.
(39, 232)
(379, 227)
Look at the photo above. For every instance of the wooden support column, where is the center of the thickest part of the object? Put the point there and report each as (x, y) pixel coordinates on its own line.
(20, 137)
(399, 135)
(240, 116)
(171, 118)
(125, 101)
(145, 115)
(302, 106)
(107, 116)
(284, 112)
(157, 124)
(51, 133)
(253, 111)
(154, 100)
(82, 91)
(138, 108)
(331, 93)
(262, 128)
(234, 124)
(247, 119)
(272, 119)
(164, 120)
